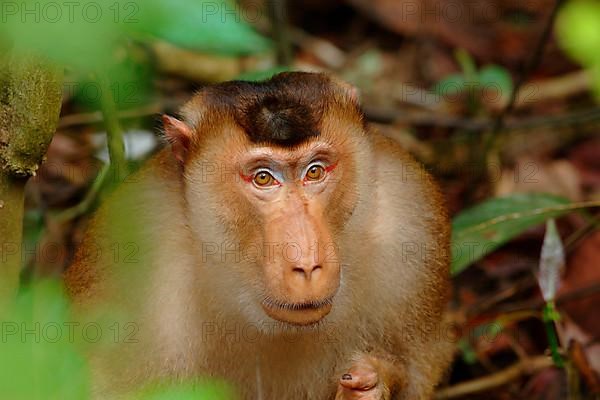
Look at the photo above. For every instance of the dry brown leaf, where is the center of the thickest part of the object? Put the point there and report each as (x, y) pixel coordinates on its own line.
(558, 177)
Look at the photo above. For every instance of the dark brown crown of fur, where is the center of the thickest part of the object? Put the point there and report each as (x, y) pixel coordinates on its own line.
(285, 110)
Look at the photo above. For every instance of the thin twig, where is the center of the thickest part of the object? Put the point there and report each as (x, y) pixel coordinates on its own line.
(85, 205)
(94, 117)
(329, 54)
(531, 65)
(560, 300)
(592, 224)
(387, 116)
(525, 367)
(489, 138)
(479, 124)
(515, 288)
(116, 143)
(278, 11)
(556, 88)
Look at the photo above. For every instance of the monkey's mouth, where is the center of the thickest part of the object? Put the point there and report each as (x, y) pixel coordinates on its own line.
(304, 313)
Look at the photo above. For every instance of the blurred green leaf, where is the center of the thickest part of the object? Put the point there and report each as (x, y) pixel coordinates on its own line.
(492, 77)
(85, 35)
(485, 227)
(457, 83)
(467, 64)
(81, 34)
(94, 36)
(450, 85)
(364, 70)
(578, 26)
(191, 391)
(33, 227)
(39, 358)
(370, 62)
(595, 72)
(41, 352)
(213, 26)
(261, 75)
(469, 355)
(496, 77)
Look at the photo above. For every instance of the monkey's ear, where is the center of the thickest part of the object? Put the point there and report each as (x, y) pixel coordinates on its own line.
(179, 135)
(350, 90)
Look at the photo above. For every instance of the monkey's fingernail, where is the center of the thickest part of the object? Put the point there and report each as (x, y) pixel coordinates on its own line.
(347, 377)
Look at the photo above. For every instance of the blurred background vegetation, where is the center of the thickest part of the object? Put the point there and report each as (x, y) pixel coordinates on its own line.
(497, 98)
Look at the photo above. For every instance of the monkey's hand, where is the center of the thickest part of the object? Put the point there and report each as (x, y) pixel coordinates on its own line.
(369, 378)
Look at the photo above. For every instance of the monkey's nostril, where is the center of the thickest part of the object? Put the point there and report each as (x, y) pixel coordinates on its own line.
(303, 272)
(306, 272)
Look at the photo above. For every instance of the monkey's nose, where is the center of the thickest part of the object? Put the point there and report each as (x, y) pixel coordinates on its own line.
(307, 272)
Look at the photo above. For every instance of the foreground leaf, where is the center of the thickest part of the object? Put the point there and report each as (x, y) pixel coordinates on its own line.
(217, 27)
(48, 27)
(184, 391)
(38, 351)
(578, 33)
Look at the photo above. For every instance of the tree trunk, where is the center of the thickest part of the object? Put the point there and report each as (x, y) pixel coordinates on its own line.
(30, 100)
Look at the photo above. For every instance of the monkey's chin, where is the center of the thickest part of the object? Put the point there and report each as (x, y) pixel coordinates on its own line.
(303, 316)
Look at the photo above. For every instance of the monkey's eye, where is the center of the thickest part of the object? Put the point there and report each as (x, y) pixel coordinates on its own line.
(264, 179)
(315, 173)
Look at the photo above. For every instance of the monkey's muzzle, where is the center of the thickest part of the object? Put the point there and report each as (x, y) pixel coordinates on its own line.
(306, 313)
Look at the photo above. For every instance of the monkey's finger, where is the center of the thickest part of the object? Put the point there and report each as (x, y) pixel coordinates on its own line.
(350, 394)
(360, 377)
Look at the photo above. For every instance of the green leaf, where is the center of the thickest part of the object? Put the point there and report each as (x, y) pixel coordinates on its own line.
(370, 63)
(469, 355)
(213, 26)
(487, 226)
(594, 72)
(497, 78)
(261, 75)
(450, 85)
(33, 228)
(85, 35)
(39, 358)
(81, 35)
(578, 33)
(467, 64)
(578, 26)
(42, 358)
(185, 391)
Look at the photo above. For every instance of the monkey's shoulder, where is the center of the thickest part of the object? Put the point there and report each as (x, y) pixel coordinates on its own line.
(396, 166)
(414, 225)
(146, 195)
(118, 232)
(406, 189)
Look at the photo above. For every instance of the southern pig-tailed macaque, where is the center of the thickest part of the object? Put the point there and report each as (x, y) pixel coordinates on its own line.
(277, 244)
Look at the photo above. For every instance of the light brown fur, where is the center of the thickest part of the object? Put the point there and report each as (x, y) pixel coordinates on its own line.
(196, 316)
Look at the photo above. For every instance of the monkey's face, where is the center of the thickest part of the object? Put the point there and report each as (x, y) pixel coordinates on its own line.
(290, 193)
(272, 173)
(283, 210)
